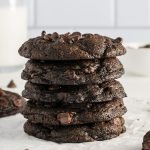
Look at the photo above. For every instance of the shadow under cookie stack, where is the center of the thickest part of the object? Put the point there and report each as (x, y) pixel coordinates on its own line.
(72, 91)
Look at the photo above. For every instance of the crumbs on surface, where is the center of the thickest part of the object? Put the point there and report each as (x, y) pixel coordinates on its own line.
(11, 84)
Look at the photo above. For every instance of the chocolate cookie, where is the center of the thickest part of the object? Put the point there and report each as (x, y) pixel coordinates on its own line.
(73, 46)
(79, 133)
(74, 94)
(73, 72)
(10, 103)
(56, 114)
(146, 141)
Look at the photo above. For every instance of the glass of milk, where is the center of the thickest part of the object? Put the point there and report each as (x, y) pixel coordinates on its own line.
(13, 32)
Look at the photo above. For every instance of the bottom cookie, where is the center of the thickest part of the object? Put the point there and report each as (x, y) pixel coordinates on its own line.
(77, 133)
(146, 141)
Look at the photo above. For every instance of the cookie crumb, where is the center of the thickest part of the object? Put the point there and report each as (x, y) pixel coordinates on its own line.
(43, 33)
(11, 84)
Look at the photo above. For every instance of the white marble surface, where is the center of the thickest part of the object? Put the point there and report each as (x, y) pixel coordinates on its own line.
(12, 136)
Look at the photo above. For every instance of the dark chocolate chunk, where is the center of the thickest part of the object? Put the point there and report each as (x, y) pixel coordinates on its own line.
(11, 84)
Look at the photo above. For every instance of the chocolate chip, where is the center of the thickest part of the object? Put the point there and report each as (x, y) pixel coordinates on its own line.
(48, 37)
(75, 38)
(70, 41)
(61, 40)
(11, 84)
(67, 34)
(96, 35)
(88, 35)
(64, 118)
(17, 102)
(55, 36)
(118, 40)
(67, 39)
(43, 33)
(76, 34)
(108, 42)
(145, 46)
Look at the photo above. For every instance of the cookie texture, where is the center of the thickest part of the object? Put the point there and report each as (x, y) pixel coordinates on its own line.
(74, 72)
(73, 46)
(10, 103)
(77, 134)
(72, 92)
(106, 91)
(146, 142)
(60, 114)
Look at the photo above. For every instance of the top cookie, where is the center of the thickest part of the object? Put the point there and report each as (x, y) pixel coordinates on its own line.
(73, 46)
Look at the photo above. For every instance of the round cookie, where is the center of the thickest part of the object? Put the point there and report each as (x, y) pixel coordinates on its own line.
(77, 134)
(75, 46)
(10, 103)
(73, 72)
(60, 114)
(146, 141)
(106, 91)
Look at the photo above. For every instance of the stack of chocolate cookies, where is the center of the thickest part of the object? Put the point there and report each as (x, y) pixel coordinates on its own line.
(72, 91)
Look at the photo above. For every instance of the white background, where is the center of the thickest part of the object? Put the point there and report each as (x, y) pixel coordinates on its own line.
(127, 18)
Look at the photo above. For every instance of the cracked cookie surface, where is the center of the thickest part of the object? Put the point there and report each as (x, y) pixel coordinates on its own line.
(61, 114)
(106, 91)
(72, 72)
(71, 46)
